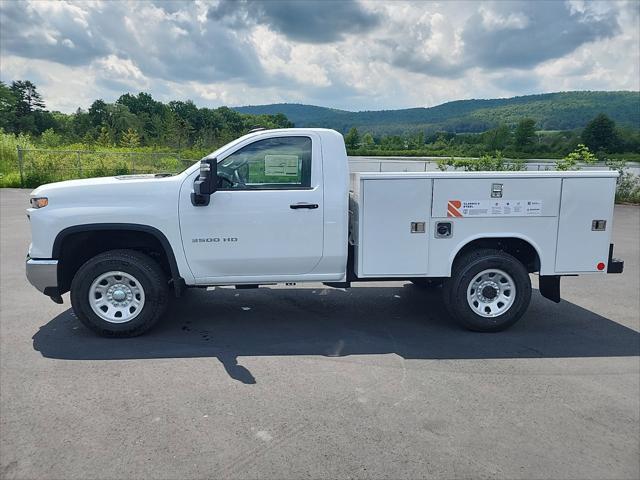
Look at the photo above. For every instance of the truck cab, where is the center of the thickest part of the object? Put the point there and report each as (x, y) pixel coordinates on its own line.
(281, 206)
(279, 212)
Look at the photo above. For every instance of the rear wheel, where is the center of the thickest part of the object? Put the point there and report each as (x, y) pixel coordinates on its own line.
(120, 293)
(489, 290)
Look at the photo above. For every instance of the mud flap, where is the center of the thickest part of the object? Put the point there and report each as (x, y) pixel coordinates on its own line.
(550, 287)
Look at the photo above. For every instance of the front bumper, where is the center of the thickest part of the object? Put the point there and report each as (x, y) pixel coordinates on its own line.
(43, 274)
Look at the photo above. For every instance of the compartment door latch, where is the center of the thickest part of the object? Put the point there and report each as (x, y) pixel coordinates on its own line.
(417, 227)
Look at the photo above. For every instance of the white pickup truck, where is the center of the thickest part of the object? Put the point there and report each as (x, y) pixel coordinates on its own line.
(280, 206)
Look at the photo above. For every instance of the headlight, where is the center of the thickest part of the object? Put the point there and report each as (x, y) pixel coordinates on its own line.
(39, 202)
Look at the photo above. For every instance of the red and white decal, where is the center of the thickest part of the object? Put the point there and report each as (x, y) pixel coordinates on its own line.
(453, 208)
(494, 208)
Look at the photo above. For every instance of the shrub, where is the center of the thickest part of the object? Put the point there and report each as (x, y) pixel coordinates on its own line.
(50, 139)
(494, 163)
(10, 180)
(581, 154)
(9, 144)
(628, 184)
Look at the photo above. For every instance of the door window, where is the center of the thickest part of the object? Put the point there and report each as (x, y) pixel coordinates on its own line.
(274, 163)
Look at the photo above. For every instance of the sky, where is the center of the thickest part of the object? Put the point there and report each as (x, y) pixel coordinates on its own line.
(351, 54)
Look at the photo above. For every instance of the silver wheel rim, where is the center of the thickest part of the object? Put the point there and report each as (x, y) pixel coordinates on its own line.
(491, 293)
(116, 297)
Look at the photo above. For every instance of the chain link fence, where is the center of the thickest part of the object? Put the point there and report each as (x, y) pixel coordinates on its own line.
(39, 166)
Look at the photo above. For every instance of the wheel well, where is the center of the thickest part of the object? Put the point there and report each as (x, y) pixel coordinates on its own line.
(517, 247)
(74, 248)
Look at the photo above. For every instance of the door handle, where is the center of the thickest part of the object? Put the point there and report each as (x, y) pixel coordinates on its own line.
(310, 206)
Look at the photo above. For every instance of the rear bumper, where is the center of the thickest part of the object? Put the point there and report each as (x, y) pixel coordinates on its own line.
(43, 274)
(614, 265)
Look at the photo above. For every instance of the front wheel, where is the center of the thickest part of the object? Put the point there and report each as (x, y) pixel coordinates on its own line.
(489, 290)
(120, 293)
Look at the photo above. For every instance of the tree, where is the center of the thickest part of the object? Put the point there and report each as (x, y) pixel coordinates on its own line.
(142, 103)
(98, 112)
(368, 141)
(187, 111)
(88, 138)
(392, 142)
(130, 139)
(525, 133)
(27, 114)
(282, 121)
(416, 141)
(43, 120)
(8, 103)
(600, 134)
(119, 118)
(81, 127)
(441, 141)
(352, 139)
(50, 138)
(177, 124)
(28, 98)
(175, 130)
(497, 138)
(105, 137)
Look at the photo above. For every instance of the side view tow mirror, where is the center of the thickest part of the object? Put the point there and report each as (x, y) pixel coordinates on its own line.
(205, 183)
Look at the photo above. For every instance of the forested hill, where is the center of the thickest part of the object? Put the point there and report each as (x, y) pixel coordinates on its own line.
(551, 111)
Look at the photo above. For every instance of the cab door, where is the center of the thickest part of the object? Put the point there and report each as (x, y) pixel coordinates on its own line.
(266, 218)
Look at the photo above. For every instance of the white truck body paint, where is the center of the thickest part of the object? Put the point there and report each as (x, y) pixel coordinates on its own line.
(278, 244)
(382, 213)
(145, 201)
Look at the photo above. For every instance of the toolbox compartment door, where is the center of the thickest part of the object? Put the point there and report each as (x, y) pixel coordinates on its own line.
(387, 247)
(580, 247)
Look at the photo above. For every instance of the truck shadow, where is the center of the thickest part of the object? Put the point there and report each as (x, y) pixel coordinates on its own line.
(405, 320)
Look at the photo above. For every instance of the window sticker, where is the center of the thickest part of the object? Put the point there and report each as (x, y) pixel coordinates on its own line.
(281, 165)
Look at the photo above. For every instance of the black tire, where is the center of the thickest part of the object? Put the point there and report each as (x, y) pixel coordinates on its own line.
(466, 269)
(144, 269)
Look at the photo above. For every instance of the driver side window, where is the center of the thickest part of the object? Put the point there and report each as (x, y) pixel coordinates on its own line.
(281, 163)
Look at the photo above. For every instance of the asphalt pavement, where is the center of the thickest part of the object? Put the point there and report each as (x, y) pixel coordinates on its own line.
(314, 382)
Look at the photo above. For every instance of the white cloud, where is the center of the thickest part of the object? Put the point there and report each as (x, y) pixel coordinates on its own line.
(113, 68)
(494, 20)
(279, 57)
(366, 55)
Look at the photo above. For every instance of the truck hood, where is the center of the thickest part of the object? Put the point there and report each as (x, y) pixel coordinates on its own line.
(102, 183)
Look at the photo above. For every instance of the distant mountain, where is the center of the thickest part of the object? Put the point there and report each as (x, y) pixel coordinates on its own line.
(552, 111)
